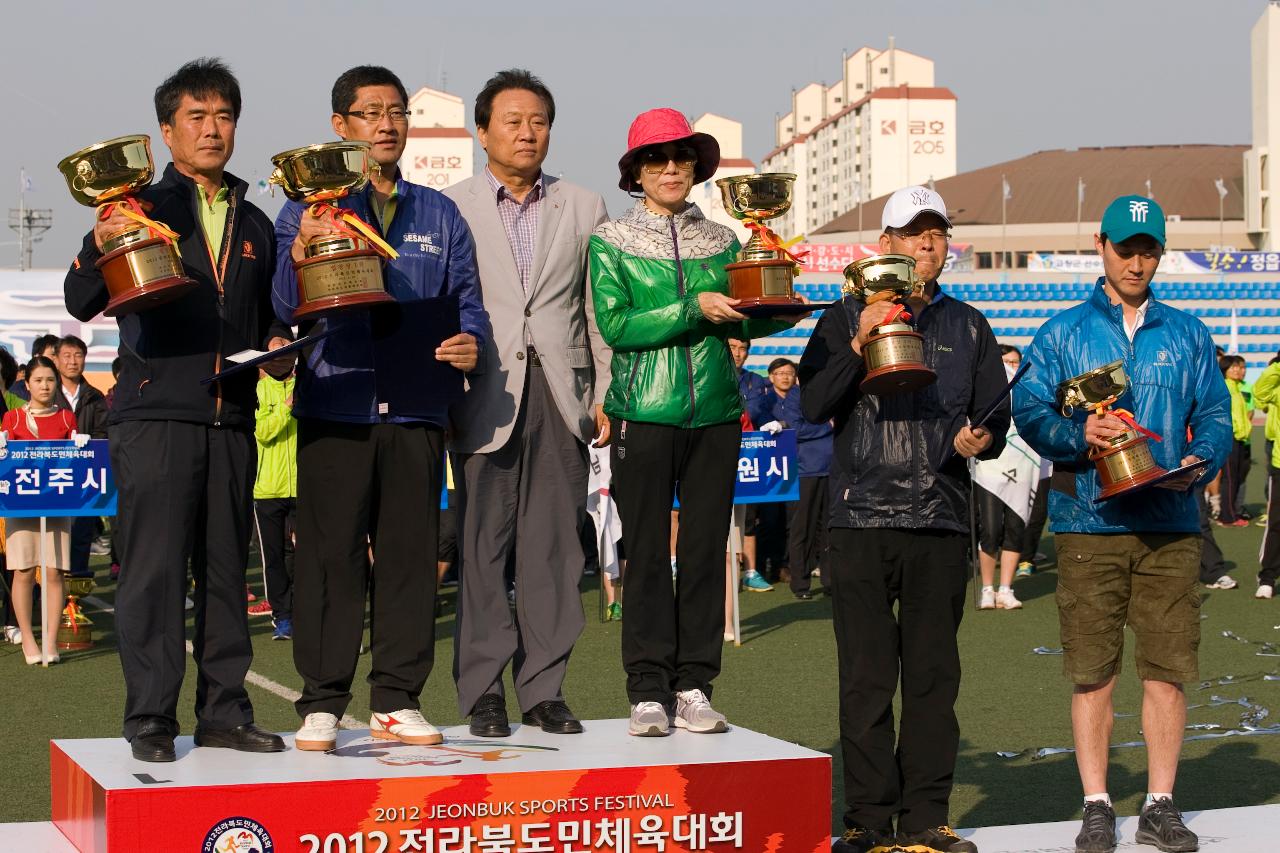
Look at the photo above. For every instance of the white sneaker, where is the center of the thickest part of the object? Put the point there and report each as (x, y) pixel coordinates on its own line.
(1006, 600)
(649, 719)
(1224, 582)
(1264, 591)
(694, 713)
(319, 733)
(406, 726)
(13, 635)
(988, 601)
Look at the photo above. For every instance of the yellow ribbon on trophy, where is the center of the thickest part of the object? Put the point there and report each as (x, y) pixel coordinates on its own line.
(353, 226)
(770, 240)
(131, 208)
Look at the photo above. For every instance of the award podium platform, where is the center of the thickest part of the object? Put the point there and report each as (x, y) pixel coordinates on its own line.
(530, 793)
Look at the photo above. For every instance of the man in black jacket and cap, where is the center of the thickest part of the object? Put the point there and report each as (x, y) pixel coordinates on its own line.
(183, 452)
(900, 535)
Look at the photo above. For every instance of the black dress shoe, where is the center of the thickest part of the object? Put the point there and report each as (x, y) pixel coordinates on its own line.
(246, 738)
(553, 716)
(153, 741)
(804, 595)
(489, 717)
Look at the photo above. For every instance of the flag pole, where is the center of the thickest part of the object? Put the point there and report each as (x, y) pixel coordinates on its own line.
(1004, 198)
(1079, 209)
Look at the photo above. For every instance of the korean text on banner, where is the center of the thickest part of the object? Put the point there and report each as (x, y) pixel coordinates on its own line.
(56, 479)
(767, 469)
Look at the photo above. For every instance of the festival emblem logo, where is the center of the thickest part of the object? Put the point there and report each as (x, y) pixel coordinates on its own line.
(238, 835)
(396, 754)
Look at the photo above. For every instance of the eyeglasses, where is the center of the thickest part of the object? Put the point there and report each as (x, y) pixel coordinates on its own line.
(654, 160)
(913, 236)
(374, 116)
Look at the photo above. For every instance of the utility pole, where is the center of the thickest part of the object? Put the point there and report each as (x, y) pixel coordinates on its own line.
(30, 224)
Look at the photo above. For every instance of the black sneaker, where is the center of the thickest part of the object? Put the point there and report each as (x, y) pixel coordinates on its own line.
(943, 839)
(1161, 824)
(859, 840)
(1098, 832)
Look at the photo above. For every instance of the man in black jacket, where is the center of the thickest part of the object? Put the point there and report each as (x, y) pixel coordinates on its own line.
(899, 535)
(90, 408)
(183, 452)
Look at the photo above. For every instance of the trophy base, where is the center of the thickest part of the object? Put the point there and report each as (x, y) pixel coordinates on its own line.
(338, 282)
(1163, 479)
(895, 362)
(74, 639)
(763, 282)
(1126, 467)
(143, 275)
(897, 379)
(765, 310)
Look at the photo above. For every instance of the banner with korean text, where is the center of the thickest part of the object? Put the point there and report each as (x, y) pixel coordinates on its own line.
(767, 469)
(56, 479)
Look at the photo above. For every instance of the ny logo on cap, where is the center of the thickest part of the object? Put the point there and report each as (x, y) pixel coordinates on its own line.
(921, 198)
(1138, 210)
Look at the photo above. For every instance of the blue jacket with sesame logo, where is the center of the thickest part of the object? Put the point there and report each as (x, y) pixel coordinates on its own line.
(337, 379)
(1175, 390)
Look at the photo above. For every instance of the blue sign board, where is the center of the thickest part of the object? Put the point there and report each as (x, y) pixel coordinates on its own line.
(56, 479)
(767, 469)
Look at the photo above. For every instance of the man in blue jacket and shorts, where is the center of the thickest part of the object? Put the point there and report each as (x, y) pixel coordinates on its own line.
(371, 421)
(1134, 559)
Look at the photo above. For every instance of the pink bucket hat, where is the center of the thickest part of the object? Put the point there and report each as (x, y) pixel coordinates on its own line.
(656, 127)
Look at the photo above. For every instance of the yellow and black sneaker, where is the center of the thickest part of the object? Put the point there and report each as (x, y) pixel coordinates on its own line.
(860, 840)
(942, 839)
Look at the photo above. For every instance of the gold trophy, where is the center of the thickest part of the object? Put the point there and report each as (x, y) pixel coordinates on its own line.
(1127, 465)
(75, 633)
(894, 352)
(338, 271)
(761, 277)
(140, 265)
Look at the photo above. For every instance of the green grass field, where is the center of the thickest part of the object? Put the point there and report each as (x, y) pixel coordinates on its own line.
(781, 681)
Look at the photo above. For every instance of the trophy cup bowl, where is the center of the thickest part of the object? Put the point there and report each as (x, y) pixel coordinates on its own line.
(75, 631)
(337, 272)
(141, 268)
(1127, 464)
(761, 277)
(894, 352)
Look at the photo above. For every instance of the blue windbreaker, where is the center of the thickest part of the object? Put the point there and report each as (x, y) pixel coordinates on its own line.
(336, 380)
(1175, 385)
(814, 442)
(753, 389)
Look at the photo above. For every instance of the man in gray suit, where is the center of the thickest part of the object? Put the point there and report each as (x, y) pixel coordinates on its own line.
(522, 428)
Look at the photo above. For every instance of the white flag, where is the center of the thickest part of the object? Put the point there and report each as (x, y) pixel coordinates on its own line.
(24, 182)
(1080, 191)
(1221, 187)
(1008, 194)
(1233, 345)
(263, 186)
(1149, 195)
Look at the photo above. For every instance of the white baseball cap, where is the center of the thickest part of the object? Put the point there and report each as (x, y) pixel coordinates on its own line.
(908, 203)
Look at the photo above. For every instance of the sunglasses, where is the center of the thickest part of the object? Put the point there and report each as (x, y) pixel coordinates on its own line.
(654, 160)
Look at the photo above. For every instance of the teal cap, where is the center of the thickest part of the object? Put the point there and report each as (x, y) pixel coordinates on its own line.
(1130, 215)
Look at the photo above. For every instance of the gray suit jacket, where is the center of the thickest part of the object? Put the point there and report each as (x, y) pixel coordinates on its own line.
(558, 314)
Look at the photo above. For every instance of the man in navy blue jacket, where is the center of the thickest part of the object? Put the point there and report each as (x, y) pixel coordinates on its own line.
(371, 424)
(807, 517)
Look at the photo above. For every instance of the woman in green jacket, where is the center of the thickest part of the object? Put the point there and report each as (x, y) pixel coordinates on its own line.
(662, 305)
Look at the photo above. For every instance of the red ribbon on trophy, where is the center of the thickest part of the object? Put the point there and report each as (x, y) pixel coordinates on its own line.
(771, 240)
(353, 226)
(132, 208)
(1127, 417)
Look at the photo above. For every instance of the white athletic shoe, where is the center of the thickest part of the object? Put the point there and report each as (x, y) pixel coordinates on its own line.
(1006, 600)
(407, 726)
(694, 713)
(988, 601)
(13, 635)
(319, 733)
(649, 719)
(1264, 591)
(1224, 582)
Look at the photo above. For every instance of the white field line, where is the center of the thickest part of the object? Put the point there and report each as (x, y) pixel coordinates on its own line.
(256, 679)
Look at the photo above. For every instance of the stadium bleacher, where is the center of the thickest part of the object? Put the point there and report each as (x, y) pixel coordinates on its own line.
(1016, 309)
